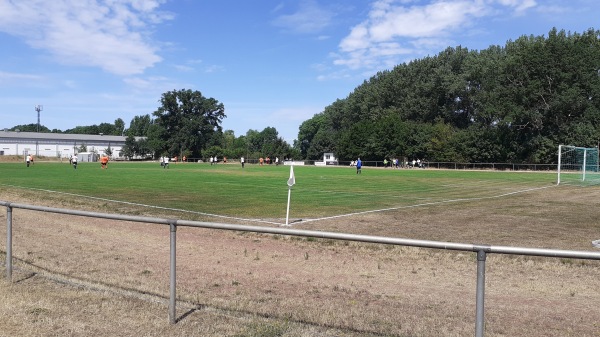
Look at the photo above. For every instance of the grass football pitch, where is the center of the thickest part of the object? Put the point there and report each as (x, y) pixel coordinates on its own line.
(260, 192)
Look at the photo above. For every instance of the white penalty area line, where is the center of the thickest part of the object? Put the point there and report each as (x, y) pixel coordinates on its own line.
(422, 205)
(148, 206)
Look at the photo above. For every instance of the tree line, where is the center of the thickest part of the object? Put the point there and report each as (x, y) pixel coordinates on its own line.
(515, 103)
(116, 129)
(186, 123)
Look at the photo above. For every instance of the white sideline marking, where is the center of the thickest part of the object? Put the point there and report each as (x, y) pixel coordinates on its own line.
(149, 206)
(299, 221)
(424, 204)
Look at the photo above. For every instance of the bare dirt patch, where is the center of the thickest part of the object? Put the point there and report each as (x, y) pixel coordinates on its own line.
(83, 276)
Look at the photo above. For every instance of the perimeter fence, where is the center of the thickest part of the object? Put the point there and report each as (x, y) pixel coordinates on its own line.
(482, 250)
(406, 165)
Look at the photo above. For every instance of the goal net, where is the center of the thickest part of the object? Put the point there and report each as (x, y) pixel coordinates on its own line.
(578, 165)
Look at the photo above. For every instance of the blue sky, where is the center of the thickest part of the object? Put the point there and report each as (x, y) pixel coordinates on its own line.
(271, 63)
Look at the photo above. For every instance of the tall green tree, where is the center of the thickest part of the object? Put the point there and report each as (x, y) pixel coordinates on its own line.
(129, 150)
(119, 127)
(29, 128)
(102, 128)
(187, 121)
(265, 143)
(139, 126)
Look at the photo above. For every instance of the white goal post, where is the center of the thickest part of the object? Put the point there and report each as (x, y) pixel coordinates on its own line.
(578, 165)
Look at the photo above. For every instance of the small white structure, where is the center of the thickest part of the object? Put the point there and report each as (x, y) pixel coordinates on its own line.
(293, 162)
(328, 159)
(87, 157)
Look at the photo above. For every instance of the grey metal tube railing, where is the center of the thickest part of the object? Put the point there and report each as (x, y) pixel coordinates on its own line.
(9, 243)
(479, 296)
(481, 250)
(173, 274)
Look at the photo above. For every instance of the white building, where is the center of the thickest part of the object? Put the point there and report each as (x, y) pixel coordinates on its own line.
(57, 144)
(328, 159)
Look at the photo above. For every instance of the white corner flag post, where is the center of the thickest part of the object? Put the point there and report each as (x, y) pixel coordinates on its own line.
(290, 183)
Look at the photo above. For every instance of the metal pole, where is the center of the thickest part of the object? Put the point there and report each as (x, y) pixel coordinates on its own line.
(479, 319)
(559, 163)
(287, 214)
(584, 168)
(173, 274)
(9, 243)
(38, 108)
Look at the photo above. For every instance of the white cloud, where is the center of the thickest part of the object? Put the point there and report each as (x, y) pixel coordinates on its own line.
(296, 114)
(309, 18)
(358, 38)
(214, 69)
(151, 86)
(397, 28)
(387, 22)
(11, 78)
(183, 68)
(110, 34)
(520, 6)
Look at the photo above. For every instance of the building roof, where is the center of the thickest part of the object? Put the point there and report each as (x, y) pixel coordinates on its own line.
(14, 135)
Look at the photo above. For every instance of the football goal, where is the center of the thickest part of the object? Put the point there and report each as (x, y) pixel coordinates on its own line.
(578, 165)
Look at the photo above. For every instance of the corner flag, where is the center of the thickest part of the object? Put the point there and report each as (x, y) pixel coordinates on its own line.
(290, 183)
(292, 179)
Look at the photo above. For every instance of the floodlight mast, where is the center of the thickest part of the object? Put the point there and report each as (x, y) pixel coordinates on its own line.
(39, 108)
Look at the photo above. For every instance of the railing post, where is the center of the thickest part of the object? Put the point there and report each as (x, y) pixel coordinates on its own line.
(173, 273)
(480, 296)
(9, 243)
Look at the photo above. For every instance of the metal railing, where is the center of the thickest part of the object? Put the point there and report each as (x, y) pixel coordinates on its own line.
(480, 249)
(408, 165)
(459, 165)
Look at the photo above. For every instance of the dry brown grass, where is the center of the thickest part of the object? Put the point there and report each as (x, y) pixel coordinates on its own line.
(78, 276)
